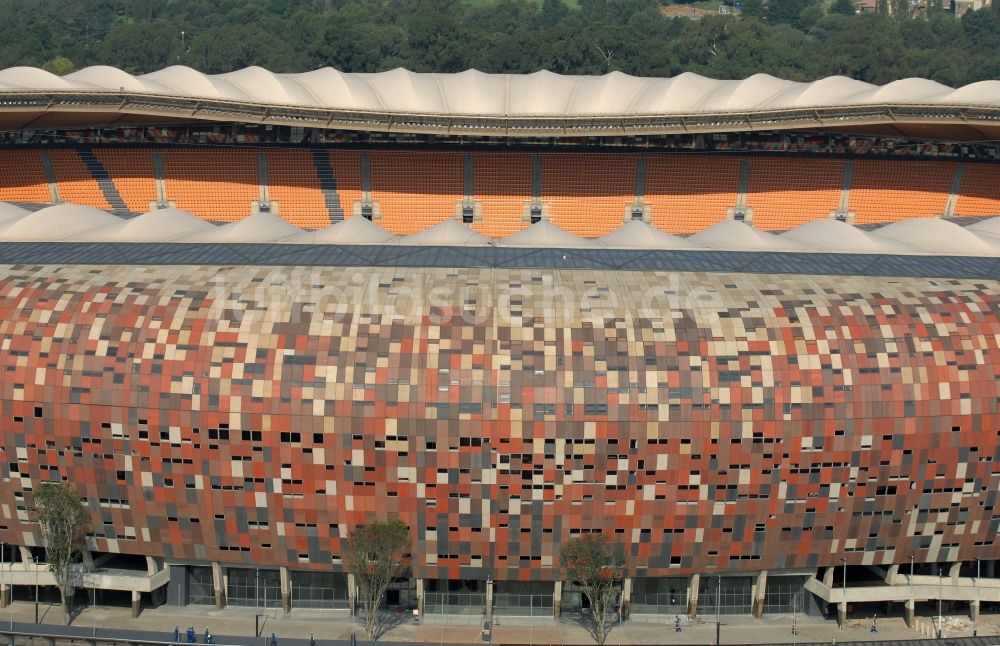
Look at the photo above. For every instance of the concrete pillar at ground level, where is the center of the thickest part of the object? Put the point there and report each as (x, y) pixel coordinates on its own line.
(489, 599)
(954, 571)
(693, 584)
(974, 610)
(556, 599)
(420, 597)
(4, 595)
(286, 589)
(626, 604)
(88, 560)
(828, 577)
(890, 574)
(908, 614)
(136, 598)
(758, 597)
(218, 585)
(352, 594)
(842, 613)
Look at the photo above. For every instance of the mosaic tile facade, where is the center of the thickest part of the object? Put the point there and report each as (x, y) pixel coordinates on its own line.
(719, 422)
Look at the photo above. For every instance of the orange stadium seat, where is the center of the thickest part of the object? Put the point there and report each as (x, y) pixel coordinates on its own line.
(213, 184)
(689, 193)
(502, 184)
(131, 169)
(416, 189)
(588, 193)
(785, 193)
(980, 190)
(76, 184)
(294, 184)
(346, 165)
(22, 177)
(888, 191)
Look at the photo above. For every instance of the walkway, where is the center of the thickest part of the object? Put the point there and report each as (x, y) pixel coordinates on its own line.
(236, 626)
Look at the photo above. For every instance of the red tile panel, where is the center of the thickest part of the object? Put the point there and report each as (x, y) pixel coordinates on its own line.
(255, 415)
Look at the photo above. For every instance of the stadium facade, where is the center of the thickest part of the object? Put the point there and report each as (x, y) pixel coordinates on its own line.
(808, 420)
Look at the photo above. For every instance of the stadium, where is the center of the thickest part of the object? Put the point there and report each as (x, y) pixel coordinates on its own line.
(748, 328)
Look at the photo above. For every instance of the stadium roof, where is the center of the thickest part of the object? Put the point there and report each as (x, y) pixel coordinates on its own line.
(472, 102)
(915, 237)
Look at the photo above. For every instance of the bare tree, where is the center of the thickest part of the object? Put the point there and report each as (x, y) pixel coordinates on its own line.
(596, 563)
(62, 520)
(374, 556)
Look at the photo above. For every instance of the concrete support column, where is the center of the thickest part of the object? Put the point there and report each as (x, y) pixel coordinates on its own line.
(286, 589)
(5, 595)
(25, 554)
(828, 576)
(758, 597)
(842, 613)
(974, 610)
(420, 597)
(136, 598)
(352, 594)
(890, 574)
(626, 597)
(908, 615)
(218, 585)
(557, 599)
(693, 584)
(489, 599)
(953, 571)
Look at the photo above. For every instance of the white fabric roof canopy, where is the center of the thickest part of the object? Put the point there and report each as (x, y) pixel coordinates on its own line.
(474, 93)
(920, 236)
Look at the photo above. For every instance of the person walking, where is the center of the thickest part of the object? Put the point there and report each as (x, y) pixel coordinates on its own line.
(677, 624)
(274, 640)
(874, 624)
(312, 640)
(192, 638)
(177, 634)
(208, 635)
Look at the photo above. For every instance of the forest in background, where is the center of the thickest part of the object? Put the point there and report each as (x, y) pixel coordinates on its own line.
(793, 39)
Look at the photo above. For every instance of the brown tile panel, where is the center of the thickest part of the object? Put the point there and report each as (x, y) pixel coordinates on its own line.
(712, 422)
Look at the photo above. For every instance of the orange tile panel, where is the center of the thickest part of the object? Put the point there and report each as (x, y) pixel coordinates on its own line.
(22, 177)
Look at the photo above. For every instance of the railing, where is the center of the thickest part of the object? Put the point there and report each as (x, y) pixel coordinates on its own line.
(455, 603)
(659, 603)
(522, 605)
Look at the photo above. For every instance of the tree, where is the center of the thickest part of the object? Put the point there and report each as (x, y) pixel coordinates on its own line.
(374, 556)
(60, 66)
(844, 7)
(62, 520)
(596, 563)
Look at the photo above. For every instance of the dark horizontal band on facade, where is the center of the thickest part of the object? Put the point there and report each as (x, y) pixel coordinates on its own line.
(310, 255)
